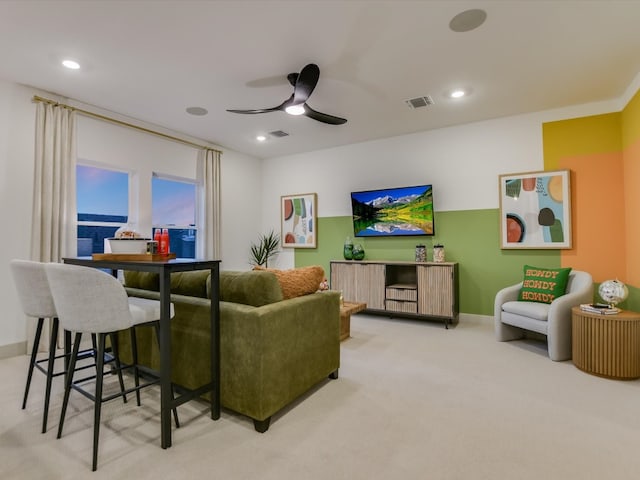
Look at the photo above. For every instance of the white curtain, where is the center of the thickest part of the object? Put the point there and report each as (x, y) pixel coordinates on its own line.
(53, 227)
(209, 172)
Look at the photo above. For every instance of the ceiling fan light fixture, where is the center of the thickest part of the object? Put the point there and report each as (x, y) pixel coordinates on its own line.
(457, 93)
(295, 110)
(261, 138)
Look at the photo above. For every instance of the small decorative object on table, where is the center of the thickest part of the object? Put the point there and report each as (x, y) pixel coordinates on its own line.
(602, 308)
(348, 249)
(438, 253)
(613, 292)
(358, 252)
(421, 253)
(152, 247)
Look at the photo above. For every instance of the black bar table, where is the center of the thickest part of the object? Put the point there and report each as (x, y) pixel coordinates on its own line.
(164, 268)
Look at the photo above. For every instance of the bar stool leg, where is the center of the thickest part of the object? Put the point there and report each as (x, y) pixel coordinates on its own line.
(67, 352)
(97, 409)
(116, 358)
(32, 361)
(69, 381)
(134, 355)
(50, 364)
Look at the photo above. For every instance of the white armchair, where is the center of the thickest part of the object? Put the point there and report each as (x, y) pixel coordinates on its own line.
(513, 318)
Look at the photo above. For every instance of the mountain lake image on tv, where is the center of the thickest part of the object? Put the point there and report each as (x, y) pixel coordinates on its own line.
(393, 212)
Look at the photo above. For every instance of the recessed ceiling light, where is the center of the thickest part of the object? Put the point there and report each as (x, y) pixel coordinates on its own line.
(457, 93)
(71, 64)
(261, 138)
(198, 111)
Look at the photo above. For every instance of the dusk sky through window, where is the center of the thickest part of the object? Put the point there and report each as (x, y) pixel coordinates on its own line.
(101, 191)
(173, 202)
(106, 192)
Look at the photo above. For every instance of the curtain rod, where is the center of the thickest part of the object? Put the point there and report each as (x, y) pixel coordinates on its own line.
(87, 113)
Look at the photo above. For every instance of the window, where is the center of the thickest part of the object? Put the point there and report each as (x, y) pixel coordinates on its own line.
(173, 206)
(102, 204)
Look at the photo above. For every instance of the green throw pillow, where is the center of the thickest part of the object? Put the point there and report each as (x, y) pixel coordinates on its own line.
(543, 284)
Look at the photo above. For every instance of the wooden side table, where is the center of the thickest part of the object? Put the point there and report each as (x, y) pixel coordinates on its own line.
(346, 309)
(606, 345)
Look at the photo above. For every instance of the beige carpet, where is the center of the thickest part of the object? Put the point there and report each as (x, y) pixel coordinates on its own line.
(413, 401)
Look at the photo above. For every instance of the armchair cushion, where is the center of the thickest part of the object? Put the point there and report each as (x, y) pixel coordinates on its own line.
(535, 310)
(543, 284)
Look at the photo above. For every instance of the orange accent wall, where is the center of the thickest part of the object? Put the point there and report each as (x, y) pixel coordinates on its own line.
(598, 217)
(631, 171)
(591, 147)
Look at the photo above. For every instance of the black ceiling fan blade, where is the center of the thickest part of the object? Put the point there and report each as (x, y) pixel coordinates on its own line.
(305, 83)
(259, 110)
(323, 117)
(282, 106)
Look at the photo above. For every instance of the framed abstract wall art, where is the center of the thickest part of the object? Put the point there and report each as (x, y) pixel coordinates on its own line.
(535, 210)
(298, 219)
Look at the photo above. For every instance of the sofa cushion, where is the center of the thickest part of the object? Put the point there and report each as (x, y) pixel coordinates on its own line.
(192, 284)
(142, 280)
(543, 284)
(255, 288)
(297, 282)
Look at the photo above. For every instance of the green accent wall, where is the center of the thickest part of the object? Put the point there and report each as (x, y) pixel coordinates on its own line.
(470, 237)
(633, 300)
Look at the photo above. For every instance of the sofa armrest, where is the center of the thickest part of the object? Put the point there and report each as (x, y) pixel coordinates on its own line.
(274, 353)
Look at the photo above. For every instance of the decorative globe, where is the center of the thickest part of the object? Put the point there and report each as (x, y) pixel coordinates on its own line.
(613, 291)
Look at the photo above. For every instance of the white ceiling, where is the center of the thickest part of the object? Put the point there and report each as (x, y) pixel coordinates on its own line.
(151, 59)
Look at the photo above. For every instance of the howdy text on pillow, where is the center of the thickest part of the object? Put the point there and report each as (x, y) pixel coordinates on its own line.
(545, 283)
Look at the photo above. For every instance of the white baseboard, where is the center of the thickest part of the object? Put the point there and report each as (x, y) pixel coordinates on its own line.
(13, 350)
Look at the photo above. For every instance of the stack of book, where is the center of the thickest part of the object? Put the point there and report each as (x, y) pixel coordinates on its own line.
(602, 308)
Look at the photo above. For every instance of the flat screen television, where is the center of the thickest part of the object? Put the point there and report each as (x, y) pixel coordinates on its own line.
(393, 212)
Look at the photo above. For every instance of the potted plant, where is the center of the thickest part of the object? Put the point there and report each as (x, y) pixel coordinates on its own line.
(266, 248)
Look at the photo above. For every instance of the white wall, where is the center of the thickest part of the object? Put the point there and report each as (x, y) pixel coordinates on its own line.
(17, 133)
(462, 163)
(121, 147)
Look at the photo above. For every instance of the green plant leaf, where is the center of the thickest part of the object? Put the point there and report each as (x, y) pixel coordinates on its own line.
(264, 249)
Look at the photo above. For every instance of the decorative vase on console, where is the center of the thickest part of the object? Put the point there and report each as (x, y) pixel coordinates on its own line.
(358, 252)
(348, 249)
(438, 253)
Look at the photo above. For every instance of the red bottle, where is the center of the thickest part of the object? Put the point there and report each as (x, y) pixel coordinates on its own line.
(165, 241)
(157, 238)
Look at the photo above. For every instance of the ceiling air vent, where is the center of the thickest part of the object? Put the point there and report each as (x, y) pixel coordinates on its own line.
(419, 102)
(278, 134)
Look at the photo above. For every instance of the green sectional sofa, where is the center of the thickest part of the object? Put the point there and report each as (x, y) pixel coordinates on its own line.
(272, 349)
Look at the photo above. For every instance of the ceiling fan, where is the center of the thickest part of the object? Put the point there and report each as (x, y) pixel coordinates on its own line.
(303, 84)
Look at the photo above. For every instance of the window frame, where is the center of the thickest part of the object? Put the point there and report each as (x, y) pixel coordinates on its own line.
(197, 206)
(132, 200)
